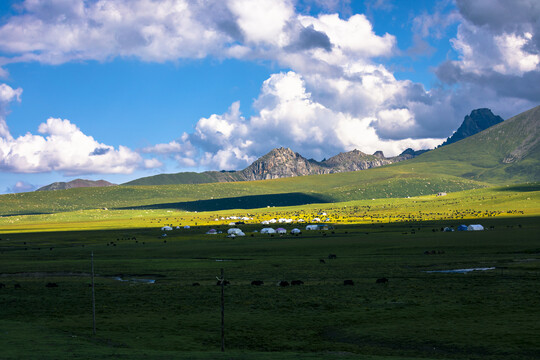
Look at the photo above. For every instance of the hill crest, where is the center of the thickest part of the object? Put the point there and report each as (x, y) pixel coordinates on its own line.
(77, 183)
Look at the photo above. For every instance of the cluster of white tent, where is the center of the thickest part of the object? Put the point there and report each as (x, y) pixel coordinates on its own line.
(169, 228)
(472, 227)
(244, 218)
(233, 232)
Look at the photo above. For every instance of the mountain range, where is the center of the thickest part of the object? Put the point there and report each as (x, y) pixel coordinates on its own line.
(283, 162)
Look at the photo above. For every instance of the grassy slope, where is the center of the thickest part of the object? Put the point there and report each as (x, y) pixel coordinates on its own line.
(387, 182)
(481, 156)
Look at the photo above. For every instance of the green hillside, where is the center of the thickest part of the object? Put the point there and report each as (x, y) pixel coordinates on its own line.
(186, 178)
(508, 152)
(386, 182)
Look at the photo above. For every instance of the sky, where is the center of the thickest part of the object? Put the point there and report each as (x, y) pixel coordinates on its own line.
(121, 89)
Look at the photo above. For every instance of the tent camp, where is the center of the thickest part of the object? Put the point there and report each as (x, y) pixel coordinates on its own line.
(212, 231)
(462, 228)
(296, 231)
(268, 231)
(187, 227)
(166, 228)
(475, 227)
(235, 231)
(281, 231)
(312, 227)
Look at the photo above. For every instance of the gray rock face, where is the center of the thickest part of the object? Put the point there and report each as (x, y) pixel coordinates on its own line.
(478, 120)
(279, 163)
(283, 162)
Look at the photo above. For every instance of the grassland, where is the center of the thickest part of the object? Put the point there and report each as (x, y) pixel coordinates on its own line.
(480, 315)
(417, 315)
(361, 185)
(521, 200)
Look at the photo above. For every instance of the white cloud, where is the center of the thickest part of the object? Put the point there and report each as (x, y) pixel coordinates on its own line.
(263, 21)
(353, 36)
(56, 31)
(7, 95)
(336, 98)
(289, 116)
(65, 148)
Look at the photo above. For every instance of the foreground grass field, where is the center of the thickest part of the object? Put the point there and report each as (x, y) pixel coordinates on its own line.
(418, 314)
(488, 314)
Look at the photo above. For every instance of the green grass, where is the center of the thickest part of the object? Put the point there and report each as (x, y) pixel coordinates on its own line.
(379, 183)
(480, 315)
(478, 204)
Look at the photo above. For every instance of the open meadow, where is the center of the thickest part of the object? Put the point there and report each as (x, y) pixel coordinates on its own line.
(148, 307)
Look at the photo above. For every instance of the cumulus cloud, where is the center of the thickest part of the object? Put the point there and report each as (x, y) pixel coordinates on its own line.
(63, 147)
(337, 97)
(287, 115)
(7, 95)
(499, 54)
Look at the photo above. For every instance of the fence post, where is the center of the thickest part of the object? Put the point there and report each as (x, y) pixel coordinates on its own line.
(93, 298)
(222, 311)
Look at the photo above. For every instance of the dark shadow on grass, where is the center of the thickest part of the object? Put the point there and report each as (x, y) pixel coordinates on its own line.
(522, 188)
(240, 202)
(26, 213)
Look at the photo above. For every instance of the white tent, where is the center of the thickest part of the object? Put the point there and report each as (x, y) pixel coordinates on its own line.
(268, 231)
(296, 231)
(475, 227)
(312, 227)
(187, 227)
(236, 231)
(281, 231)
(166, 228)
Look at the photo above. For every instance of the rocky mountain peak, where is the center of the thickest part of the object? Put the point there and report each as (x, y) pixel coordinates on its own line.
(478, 120)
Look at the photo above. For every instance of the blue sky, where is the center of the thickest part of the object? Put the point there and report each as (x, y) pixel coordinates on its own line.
(121, 89)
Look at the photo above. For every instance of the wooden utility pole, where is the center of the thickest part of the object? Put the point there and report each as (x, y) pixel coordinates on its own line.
(222, 311)
(93, 299)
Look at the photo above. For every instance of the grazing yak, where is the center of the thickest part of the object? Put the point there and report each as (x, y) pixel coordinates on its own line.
(51, 285)
(332, 256)
(195, 284)
(382, 281)
(297, 282)
(257, 282)
(17, 286)
(283, 283)
(2, 285)
(322, 261)
(348, 282)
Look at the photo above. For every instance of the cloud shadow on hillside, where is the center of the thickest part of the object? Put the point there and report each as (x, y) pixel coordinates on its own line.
(240, 202)
(522, 188)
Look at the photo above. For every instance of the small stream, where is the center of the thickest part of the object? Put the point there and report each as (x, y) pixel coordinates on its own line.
(460, 271)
